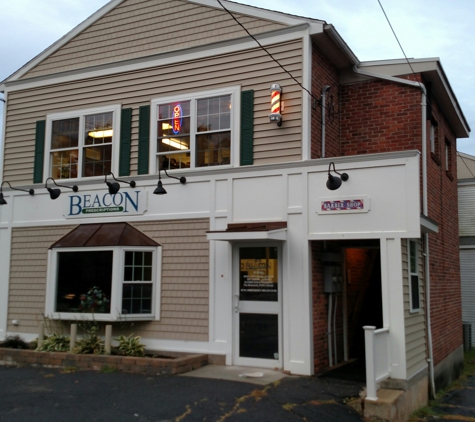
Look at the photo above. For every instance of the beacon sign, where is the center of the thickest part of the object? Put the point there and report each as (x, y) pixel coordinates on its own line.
(104, 204)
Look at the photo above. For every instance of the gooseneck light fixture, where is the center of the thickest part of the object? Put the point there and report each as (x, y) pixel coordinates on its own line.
(114, 186)
(54, 192)
(2, 199)
(276, 105)
(160, 190)
(334, 182)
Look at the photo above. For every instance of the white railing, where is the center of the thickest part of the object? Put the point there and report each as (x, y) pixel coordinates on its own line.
(377, 358)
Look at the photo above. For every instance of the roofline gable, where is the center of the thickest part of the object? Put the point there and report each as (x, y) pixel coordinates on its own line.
(62, 41)
(286, 19)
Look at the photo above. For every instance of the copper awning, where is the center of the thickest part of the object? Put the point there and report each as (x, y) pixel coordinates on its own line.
(105, 234)
(269, 230)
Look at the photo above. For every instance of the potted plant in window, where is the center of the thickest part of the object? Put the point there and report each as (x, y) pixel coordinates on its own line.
(94, 301)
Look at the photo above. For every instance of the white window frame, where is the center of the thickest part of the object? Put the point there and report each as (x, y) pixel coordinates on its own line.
(234, 91)
(116, 289)
(410, 273)
(115, 109)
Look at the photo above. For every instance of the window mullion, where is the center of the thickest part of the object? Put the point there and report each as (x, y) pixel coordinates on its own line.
(81, 146)
(193, 130)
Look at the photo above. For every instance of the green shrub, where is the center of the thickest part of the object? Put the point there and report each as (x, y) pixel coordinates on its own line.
(131, 346)
(91, 343)
(15, 342)
(55, 343)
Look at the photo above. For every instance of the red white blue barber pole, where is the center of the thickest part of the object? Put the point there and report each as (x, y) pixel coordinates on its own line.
(275, 104)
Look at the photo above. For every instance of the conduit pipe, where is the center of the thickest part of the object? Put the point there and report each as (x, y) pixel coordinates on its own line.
(323, 99)
(418, 85)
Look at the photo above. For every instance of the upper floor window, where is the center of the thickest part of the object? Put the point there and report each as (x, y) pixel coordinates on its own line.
(195, 130)
(414, 277)
(81, 143)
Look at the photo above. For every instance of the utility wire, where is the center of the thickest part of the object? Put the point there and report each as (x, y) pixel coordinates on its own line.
(270, 55)
(397, 39)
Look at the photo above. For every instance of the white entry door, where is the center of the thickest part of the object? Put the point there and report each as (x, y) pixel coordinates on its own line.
(257, 306)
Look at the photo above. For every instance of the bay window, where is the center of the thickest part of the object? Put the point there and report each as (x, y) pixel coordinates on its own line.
(194, 131)
(80, 143)
(104, 283)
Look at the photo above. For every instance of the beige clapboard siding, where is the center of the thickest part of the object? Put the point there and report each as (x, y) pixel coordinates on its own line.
(142, 28)
(28, 266)
(134, 89)
(415, 323)
(185, 279)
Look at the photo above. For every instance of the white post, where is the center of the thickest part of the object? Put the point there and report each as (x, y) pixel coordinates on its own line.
(370, 363)
(41, 333)
(108, 339)
(72, 337)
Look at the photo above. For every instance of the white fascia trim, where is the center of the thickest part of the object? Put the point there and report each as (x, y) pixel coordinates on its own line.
(194, 53)
(306, 98)
(3, 135)
(258, 12)
(63, 40)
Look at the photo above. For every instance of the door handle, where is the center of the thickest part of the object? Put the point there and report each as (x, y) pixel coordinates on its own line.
(236, 307)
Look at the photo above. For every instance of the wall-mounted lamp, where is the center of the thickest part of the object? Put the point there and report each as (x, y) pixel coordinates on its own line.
(2, 199)
(276, 105)
(54, 193)
(160, 190)
(334, 182)
(114, 186)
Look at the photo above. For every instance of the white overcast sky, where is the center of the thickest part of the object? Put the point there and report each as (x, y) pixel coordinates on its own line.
(425, 28)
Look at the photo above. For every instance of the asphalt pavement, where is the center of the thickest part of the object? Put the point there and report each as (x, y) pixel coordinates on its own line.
(50, 395)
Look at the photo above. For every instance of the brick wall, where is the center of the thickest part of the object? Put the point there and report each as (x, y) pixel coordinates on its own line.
(381, 116)
(446, 302)
(324, 73)
(319, 299)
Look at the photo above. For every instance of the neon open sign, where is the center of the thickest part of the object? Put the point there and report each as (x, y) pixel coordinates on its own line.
(177, 119)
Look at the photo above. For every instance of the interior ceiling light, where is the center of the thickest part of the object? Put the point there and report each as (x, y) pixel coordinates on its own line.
(100, 133)
(114, 187)
(175, 143)
(334, 182)
(2, 199)
(54, 192)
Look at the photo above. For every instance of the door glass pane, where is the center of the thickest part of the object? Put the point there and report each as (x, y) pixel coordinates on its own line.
(258, 274)
(259, 336)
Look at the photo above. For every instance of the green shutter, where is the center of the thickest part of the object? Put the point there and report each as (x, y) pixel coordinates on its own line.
(125, 141)
(144, 139)
(39, 151)
(247, 128)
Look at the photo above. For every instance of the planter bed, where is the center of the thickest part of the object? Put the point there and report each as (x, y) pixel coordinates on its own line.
(173, 363)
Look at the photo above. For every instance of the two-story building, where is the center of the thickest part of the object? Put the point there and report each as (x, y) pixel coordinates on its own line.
(265, 236)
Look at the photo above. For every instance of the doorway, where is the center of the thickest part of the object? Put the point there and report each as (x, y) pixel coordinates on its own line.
(257, 315)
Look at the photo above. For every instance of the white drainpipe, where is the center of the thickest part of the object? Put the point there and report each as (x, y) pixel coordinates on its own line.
(420, 86)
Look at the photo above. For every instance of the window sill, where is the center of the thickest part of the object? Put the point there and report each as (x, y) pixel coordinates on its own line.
(435, 158)
(78, 316)
(449, 175)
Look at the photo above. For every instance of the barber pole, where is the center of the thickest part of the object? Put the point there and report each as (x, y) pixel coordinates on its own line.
(275, 104)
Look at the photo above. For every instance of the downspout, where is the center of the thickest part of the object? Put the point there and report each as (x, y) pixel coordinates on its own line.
(324, 91)
(420, 86)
